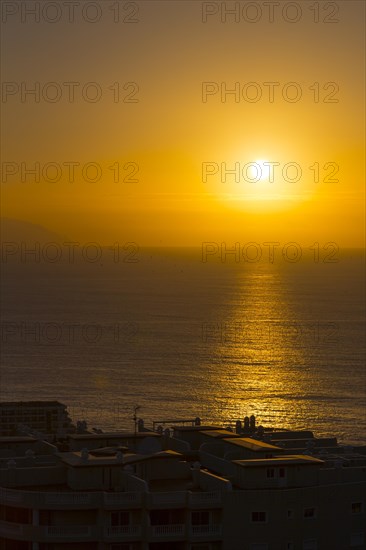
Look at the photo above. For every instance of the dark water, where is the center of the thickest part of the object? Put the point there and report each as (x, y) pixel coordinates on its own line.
(183, 338)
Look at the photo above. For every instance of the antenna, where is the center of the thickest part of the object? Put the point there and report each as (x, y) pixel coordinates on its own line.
(135, 409)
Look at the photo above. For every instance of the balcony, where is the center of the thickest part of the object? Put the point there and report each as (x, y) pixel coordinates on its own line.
(78, 500)
(206, 531)
(126, 500)
(69, 500)
(47, 533)
(65, 532)
(184, 499)
(21, 532)
(10, 529)
(50, 500)
(9, 496)
(172, 531)
(174, 499)
(123, 532)
(211, 499)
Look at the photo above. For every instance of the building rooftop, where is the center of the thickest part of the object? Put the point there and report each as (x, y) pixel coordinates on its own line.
(195, 428)
(292, 434)
(113, 435)
(108, 451)
(220, 434)
(76, 459)
(287, 460)
(253, 444)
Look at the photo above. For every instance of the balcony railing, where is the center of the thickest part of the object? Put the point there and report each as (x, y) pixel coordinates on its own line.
(8, 496)
(17, 531)
(8, 528)
(168, 531)
(54, 533)
(123, 531)
(68, 531)
(210, 529)
(68, 499)
(212, 498)
(127, 499)
(46, 499)
(73, 533)
(96, 499)
(177, 498)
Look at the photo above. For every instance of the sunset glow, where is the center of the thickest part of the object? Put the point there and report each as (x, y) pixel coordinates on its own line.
(152, 120)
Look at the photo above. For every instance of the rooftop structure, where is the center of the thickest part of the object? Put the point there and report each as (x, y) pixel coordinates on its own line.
(208, 489)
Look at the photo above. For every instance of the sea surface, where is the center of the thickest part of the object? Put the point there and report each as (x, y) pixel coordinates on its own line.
(181, 337)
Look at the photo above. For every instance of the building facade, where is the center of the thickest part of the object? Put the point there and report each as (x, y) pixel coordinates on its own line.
(49, 418)
(188, 487)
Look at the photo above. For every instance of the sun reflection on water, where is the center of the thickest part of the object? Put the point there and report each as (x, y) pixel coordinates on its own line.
(261, 343)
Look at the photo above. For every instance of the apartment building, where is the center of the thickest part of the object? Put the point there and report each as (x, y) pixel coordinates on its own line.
(186, 487)
(49, 418)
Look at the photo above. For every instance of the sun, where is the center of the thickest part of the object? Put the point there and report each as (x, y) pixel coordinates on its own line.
(260, 181)
(259, 170)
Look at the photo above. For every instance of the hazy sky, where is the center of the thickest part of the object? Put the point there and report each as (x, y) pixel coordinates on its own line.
(149, 98)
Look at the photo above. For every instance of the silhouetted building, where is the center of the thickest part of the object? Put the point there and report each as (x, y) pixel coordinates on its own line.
(207, 489)
(50, 418)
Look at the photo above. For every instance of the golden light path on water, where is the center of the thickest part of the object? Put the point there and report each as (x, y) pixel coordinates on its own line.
(260, 342)
(218, 340)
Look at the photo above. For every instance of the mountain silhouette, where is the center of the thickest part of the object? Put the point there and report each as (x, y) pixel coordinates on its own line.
(13, 230)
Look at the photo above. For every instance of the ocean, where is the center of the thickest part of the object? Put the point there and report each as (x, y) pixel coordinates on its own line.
(183, 335)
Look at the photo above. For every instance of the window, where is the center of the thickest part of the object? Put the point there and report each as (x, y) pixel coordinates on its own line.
(17, 515)
(259, 516)
(309, 513)
(356, 507)
(200, 517)
(309, 544)
(270, 472)
(281, 472)
(166, 517)
(290, 514)
(357, 539)
(259, 546)
(120, 518)
(290, 546)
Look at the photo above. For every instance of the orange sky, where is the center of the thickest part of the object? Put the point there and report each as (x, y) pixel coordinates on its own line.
(170, 133)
